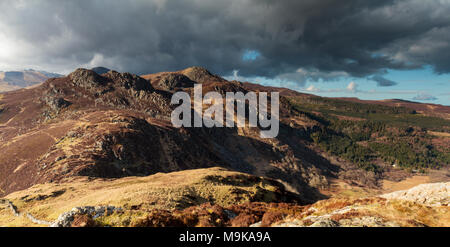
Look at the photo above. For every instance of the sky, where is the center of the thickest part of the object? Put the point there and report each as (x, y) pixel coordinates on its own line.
(355, 48)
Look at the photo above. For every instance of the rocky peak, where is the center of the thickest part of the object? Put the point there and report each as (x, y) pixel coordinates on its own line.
(90, 79)
(200, 75)
(87, 78)
(128, 80)
(175, 80)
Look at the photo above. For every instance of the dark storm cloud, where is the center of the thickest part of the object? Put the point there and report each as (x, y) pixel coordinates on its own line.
(294, 39)
(383, 82)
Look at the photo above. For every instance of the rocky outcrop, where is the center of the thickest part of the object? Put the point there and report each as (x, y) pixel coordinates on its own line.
(174, 81)
(128, 80)
(435, 194)
(419, 206)
(57, 103)
(86, 89)
(89, 79)
(364, 221)
(66, 219)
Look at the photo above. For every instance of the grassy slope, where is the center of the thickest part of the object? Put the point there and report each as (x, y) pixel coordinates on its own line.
(169, 191)
(151, 201)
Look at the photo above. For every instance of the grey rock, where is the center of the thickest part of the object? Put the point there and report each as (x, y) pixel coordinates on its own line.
(66, 219)
(325, 223)
(173, 81)
(434, 194)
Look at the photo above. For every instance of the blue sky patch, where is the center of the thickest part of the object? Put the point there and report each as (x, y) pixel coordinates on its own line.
(250, 55)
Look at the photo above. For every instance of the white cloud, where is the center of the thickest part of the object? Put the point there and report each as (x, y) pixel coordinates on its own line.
(236, 75)
(312, 88)
(352, 87)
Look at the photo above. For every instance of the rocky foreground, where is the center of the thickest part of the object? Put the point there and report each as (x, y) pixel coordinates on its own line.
(423, 205)
(214, 197)
(436, 194)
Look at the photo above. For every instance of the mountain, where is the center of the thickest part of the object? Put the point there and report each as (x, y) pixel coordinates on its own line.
(117, 124)
(76, 134)
(12, 80)
(186, 78)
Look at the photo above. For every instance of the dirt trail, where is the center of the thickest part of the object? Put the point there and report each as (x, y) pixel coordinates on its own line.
(22, 109)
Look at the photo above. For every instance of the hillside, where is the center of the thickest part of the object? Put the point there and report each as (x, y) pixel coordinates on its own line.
(214, 197)
(118, 124)
(88, 130)
(138, 196)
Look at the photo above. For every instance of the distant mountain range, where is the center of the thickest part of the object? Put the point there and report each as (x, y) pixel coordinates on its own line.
(13, 80)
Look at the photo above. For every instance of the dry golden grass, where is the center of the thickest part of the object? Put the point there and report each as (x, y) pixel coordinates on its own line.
(138, 196)
(389, 186)
(414, 214)
(8, 219)
(403, 213)
(162, 191)
(439, 134)
(340, 189)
